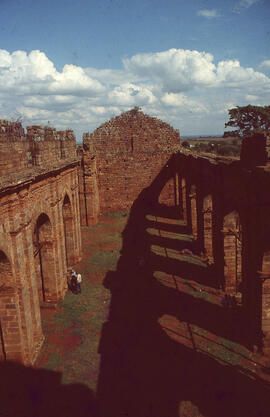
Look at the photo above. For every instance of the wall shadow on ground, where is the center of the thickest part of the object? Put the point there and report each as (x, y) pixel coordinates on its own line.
(146, 373)
(29, 392)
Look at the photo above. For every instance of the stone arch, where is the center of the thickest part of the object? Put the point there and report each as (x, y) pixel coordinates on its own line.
(6, 275)
(41, 206)
(43, 246)
(68, 223)
(208, 226)
(232, 231)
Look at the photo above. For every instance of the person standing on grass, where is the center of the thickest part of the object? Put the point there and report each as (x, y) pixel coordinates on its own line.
(73, 282)
(78, 284)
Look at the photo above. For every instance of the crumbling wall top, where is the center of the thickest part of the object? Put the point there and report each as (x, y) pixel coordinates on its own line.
(11, 131)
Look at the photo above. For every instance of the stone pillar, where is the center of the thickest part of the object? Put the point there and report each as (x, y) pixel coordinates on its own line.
(193, 209)
(264, 277)
(208, 227)
(11, 343)
(183, 198)
(232, 252)
(91, 194)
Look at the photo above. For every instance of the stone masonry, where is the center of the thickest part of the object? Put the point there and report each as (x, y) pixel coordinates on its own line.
(40, 233)
(130, 150)
(49, 188)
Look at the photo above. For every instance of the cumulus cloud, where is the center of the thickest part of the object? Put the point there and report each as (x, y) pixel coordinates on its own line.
(243, 4)
(231, 74)
(209, 14)
(35, 73)
(183, 87)
(182, 102)
(265, 64)
(176, 69)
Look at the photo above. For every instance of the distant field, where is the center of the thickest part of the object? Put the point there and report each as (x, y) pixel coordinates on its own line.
(209, 139)
(229, 146)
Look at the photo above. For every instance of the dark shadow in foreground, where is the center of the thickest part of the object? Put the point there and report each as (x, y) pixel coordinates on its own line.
(29, 392)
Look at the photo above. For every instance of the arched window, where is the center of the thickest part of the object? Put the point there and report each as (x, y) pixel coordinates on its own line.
(44, 257)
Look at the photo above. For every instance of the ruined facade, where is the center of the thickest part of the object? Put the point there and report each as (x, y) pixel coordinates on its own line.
(129, 150)
(49, 189)
(40, 231)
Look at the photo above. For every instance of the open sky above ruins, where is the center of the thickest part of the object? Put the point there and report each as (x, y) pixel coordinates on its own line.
(77, 64)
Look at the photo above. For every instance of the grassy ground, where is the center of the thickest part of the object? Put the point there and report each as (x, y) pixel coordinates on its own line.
(74, 330)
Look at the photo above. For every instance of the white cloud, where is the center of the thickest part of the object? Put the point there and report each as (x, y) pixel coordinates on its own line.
(181, 101)
(176, 69)
(209, 14)
(36, 74)
(243, 4)
(231, 74)
(251, 98)
(183, 87)
(265, 64)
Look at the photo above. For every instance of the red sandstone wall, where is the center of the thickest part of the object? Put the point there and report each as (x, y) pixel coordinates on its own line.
(20, 208)
(130, 150)
(41, 146)
(49, 146)
(15, 152)
(88, 187)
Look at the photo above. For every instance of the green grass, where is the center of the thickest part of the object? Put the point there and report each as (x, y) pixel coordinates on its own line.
(103, 260)
(115, 214)
(175, 254)
(165, 220)
(169, 235)
(54, 362)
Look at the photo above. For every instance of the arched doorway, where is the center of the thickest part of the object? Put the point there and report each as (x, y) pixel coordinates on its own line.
(68, 231)
(6, 284)
(232, 231)
(208, 226)
(44, 257)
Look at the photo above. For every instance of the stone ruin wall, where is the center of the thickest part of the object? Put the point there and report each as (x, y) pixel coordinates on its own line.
(40, 146)
(130, 150)
(116, 162)
(39, 230)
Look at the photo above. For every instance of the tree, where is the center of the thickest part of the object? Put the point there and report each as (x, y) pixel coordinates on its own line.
(249, 119)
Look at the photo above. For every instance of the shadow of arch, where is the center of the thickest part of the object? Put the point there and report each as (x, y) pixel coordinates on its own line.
(143, 371)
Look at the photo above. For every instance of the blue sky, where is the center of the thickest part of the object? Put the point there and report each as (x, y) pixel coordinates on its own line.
(77, 64)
